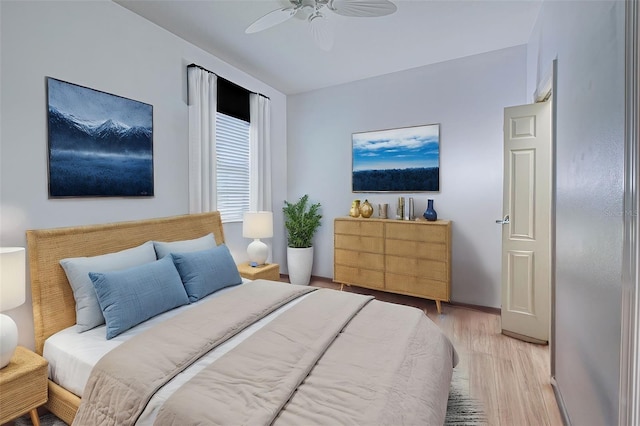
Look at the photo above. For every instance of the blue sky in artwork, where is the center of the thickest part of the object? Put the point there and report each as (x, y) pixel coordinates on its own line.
(406, 148)
(94, 106)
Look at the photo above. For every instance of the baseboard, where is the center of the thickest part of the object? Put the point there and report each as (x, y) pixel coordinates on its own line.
(560, 402)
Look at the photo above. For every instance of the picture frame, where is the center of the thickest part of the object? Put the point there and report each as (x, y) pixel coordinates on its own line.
(99, 144)
(405, 159)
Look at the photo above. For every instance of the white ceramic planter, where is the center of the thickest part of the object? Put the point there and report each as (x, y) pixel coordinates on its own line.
(299, 263)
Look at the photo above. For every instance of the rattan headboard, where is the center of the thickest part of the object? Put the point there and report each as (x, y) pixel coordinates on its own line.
(53, 302)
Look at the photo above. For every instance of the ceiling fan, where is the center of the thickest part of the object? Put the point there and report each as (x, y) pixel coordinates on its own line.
(313, 11)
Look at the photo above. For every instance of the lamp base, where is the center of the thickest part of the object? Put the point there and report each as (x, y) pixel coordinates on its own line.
(8, 339)
(258, 252)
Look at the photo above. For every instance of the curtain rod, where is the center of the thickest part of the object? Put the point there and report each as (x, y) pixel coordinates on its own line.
(204, 69)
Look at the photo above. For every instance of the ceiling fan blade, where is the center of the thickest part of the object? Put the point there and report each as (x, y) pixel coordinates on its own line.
(321, 30)
(271, 19)
(362, 8)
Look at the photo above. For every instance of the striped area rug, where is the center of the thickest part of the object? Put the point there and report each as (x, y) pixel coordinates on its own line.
(461, 408)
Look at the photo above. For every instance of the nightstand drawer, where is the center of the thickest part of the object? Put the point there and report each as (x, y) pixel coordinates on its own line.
(23, 384)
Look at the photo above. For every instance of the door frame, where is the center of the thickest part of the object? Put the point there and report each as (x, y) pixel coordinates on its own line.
(546, 90)
(628, 404)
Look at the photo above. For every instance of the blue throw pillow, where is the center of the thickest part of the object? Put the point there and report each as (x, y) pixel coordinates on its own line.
(134, 295)
(206, 271)
(163, 249)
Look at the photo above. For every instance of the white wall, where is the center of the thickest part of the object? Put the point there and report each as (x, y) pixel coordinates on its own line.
(587, 38)
(101, 45)
(467, 97)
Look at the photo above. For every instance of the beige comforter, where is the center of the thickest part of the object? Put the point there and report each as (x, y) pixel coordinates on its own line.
(334, 358)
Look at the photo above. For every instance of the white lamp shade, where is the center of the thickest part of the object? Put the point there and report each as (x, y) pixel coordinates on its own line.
(12, 277)
(257, 225)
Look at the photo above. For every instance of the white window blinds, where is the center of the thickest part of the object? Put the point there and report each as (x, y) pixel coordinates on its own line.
(232, 157)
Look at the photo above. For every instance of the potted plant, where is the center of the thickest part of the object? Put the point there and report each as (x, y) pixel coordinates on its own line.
(302, 222)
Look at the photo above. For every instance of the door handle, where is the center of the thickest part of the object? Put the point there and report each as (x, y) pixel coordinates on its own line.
(504, 221)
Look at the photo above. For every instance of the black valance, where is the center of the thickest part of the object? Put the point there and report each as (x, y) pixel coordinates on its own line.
(233, 100)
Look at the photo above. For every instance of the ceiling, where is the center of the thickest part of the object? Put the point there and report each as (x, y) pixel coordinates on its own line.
(419, 33)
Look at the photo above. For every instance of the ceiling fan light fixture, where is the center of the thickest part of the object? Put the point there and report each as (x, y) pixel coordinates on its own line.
(321, 28)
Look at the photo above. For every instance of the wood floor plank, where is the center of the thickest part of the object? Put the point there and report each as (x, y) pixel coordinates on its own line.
(510, 377)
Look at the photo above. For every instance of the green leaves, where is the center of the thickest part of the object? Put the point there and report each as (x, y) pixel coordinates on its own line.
(301, 222)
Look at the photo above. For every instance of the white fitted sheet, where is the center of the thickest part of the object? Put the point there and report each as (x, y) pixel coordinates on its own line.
(72, 355)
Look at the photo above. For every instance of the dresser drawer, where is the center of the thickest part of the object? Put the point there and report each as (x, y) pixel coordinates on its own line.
(359, 227)
(417, 232)
(358, 276)
(417, 267)
(417, 286)
(405, 248)
(359, 259)
(358, 243)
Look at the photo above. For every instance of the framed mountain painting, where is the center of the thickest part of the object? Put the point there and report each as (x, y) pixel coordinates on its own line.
(406, 159)
(100, 145)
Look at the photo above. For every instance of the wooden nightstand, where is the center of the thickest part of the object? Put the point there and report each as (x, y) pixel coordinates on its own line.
(23, 386)
(270, 271)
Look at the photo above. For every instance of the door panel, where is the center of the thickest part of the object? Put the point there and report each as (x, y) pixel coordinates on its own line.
(521, 297)
(522, 163)
(526, 236)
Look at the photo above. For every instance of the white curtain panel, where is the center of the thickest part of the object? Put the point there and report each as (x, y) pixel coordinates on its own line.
(260, 158)
(202, 140)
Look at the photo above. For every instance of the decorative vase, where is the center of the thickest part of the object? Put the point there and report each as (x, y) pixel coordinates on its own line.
(355, 209)
(366, 209)
(382, 210)
(430, 214)
(299, 264)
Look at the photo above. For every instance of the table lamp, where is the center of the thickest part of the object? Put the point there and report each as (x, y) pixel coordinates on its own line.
(257, 225)
(12, 295)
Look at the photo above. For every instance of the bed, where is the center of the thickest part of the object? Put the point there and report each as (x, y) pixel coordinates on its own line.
(254, 353)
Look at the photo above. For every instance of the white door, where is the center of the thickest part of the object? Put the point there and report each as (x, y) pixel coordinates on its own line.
(526, 223)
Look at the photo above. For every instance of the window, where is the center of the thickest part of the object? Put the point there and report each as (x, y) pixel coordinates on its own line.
(232, 150)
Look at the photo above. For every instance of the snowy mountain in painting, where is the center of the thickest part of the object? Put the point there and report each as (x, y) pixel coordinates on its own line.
(67, 132)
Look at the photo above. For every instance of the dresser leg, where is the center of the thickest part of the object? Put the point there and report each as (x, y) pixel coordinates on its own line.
(341, 286)
(438, 306)
(34, 417)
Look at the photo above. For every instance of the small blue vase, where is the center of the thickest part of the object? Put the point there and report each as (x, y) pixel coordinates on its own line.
(430, 214)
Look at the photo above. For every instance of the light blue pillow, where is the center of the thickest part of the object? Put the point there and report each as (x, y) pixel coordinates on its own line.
(206, 271)
(88, 312)
(184, 246)
(134, 295)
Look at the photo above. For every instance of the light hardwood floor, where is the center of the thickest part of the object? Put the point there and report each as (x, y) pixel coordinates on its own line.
(510, 377)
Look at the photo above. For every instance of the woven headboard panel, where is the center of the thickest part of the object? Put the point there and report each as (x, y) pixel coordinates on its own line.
(53, 302)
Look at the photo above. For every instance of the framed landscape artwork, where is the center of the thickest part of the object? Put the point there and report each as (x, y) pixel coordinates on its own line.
(100, 145)
(397, 160)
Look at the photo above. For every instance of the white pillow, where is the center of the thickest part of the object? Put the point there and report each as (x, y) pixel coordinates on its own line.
(184, 246)
(88, 312)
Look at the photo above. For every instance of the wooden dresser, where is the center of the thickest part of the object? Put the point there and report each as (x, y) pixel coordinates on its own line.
(398, 256)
